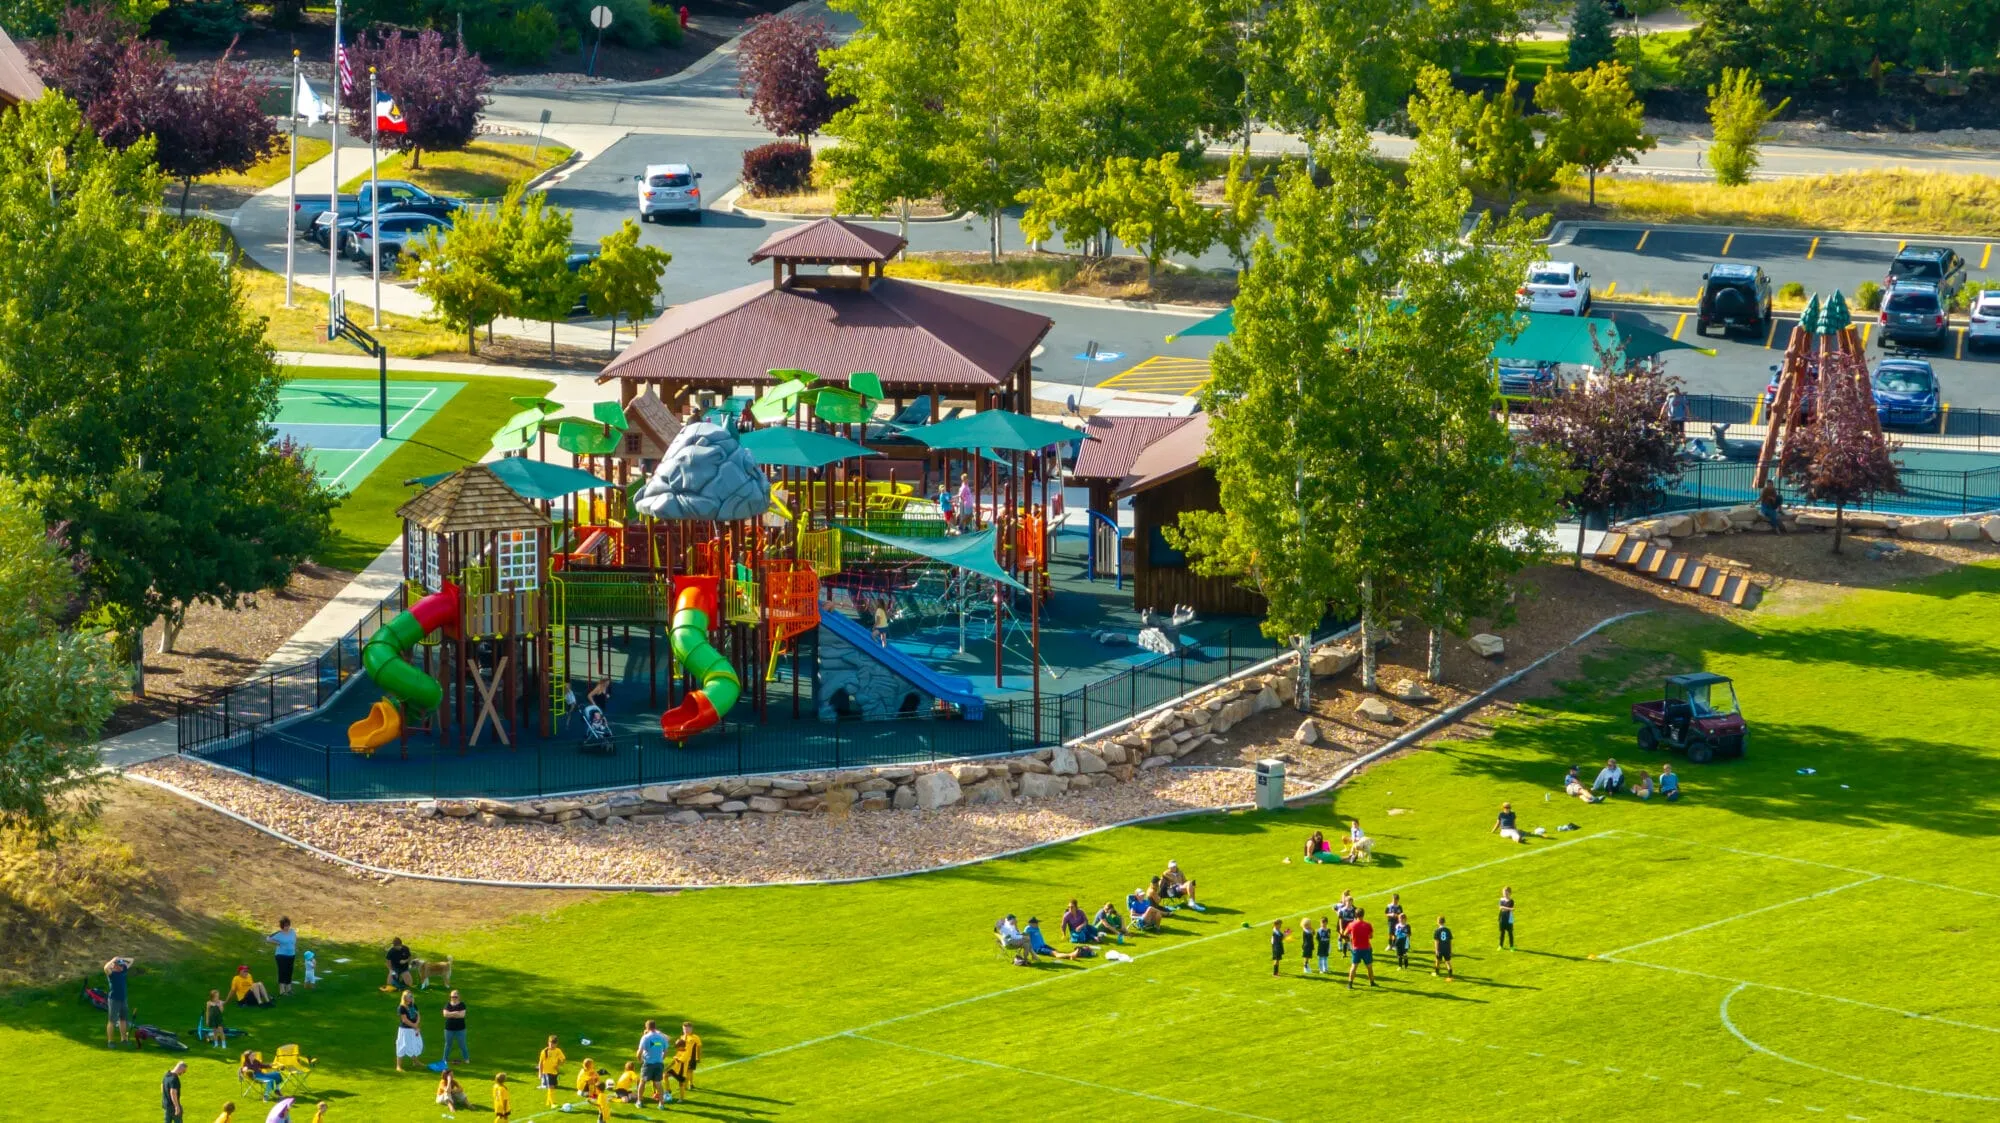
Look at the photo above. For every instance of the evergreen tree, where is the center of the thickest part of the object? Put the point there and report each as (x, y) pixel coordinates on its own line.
(1590, 37)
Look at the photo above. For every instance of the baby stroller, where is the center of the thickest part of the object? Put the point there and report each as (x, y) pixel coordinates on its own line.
(596, 726)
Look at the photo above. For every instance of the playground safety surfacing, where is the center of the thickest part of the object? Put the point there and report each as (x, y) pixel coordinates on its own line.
(338, 421)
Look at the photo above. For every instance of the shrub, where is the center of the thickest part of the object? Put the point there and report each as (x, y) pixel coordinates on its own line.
(632, 23)
(667, 25)
(780, 168)
(1791, 290)
(1868, 295)
(523, 39)
(202, 21)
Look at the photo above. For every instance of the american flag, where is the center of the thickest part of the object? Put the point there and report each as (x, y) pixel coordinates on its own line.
(340, 60)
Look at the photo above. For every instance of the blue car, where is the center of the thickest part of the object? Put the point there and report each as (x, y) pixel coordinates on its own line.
(1525, 378)
(1907, 393)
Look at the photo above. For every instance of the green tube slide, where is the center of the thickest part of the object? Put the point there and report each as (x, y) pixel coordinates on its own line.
(382, 656)
(720, 688)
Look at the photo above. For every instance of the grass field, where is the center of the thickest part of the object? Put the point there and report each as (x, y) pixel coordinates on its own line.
(458, 432)
(273, 168)
(484, 169)
(1779, 945)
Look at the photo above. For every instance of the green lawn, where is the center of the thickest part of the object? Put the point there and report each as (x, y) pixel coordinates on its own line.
(365, 522)
(1532, 58)
(273, 168)
(1777, 946)
(484, 169)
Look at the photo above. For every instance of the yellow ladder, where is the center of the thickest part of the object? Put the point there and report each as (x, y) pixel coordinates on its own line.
(558, 649)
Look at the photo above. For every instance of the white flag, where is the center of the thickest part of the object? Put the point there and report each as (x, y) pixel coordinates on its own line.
(307, 104)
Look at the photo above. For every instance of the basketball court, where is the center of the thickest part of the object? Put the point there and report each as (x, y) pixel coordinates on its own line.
(338, 421)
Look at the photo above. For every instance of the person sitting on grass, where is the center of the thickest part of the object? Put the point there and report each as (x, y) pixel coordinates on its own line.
(211, 1020)
(1573, 784)
(1609, 778)
(1359, 846)
(1078, 929)
(1670, 784)
(1009, 931)
(1504, 826)
(450, 1093)
(627, 1086)
(1108, 920)
(1146, 916)
(1644, 788)
(1174, 883)
(252, 1067)
(587, 1080)
(1040, 946)
(246, 991)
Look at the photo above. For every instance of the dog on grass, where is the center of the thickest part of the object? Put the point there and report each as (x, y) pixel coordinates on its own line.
(427, 969)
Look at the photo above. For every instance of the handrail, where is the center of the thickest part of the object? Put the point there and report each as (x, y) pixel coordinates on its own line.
(1117, 556)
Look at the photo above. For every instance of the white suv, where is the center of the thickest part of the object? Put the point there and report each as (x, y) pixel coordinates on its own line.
(1556, 286)
(669, 189)
(1983, 328)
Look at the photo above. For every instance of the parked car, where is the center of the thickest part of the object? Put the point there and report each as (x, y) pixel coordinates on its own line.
(310, 212)
(1934, 265)
(1912, 312)
(1983, 326)
(399, 233)
(1808, 398)
(1734, 296)
(576, 262)
(1555, 286)
(1527, 379)
(1907, 392)
(667, 189)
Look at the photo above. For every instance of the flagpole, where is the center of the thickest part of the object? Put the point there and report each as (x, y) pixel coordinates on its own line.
(292, 186)
(375, 192)
(333, 196)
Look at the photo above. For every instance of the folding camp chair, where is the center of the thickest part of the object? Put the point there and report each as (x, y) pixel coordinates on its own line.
(295, 1066)
(266, 1087)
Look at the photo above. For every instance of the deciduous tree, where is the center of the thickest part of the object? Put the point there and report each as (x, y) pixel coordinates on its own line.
(1610, 433)
(895, 91)
(1738, 113)
(779, 70)
(537, 264)
(1241, 216)
(1503, 147)
(1599, 122)
(464, 272)
(441, 88)
(217, 125)
(1841, 458)
(625, 278)
(1150, 205)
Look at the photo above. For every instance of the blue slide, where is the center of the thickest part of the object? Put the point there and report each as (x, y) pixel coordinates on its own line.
(952, 688)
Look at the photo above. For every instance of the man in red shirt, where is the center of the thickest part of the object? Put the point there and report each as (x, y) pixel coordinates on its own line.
(1360, 941)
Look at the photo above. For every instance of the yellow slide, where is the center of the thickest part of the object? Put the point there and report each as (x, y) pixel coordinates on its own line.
(383, 724)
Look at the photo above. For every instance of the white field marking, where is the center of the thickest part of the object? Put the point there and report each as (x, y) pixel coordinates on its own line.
(1741, 983)
(1615, 953)
(1608, 1068)
(1690, 1083)
(1195, 942)
(1532, 1053)
(1723, 1012)
(1378, 1025)
(1456, 1040)
(1058, 1076)
(1810, 1107)
(393, 426)
(1810, 862)
(1650, 1076)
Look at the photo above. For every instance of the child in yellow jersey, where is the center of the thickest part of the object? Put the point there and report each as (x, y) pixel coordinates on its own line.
(503, 1100)
(549, 1069)
(587, 1079)
(627, 1087)
(601, 1096)
(687, 1055)
(228, 1114)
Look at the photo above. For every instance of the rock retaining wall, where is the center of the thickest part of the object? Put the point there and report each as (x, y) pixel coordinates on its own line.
(1733, 520)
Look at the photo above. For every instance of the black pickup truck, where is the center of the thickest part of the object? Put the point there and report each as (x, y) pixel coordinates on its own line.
(398, 196)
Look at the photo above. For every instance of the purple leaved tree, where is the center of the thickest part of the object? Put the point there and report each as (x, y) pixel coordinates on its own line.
(121, 82)
(779, 70)
(440, 87)
(217, 125)
(1612, 433)
(1841, 458)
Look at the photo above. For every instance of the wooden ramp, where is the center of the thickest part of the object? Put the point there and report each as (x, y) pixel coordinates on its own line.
(1677, 569)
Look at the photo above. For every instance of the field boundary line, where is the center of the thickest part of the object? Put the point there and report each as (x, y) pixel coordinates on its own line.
(1917, 1014)
(1079, 1081)
(1811, 862)
(1194, 942)
(1730, 1025)
(1616, 952)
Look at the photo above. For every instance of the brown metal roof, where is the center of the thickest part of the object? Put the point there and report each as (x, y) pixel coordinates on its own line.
(1168, 458)
(18, 81)
(471, 499)
(1119, 442)
(912, 335)
(830, 240)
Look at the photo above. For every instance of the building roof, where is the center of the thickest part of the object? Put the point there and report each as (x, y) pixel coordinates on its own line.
(18, 81)
(649, 418)
(912, 335)
(471, 499)
(830, 241)
(1168, 458)
(1119, 442)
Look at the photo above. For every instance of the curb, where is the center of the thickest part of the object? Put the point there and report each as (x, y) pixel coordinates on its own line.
(1568, 228)
(998, 292)
(1394, 745)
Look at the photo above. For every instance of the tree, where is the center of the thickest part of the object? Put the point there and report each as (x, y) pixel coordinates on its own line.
(28, 20)
(1590, 38)
(122, 82)
(464, 272)
(1599, 122)
(1504, 150)
(57, 683)
(440, 87)
(537, 263)
(625, 278)
(1068, 202)
(1844, 40)
(1610, 433)
(779, 70)
(216, 126)
(986, 148)
(138, 388)
(895, 92)
(1738, 113)
(1151, 207)
(1241, 216)
(1841, 458)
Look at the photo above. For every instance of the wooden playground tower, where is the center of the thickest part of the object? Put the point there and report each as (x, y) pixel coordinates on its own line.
(1824, 341)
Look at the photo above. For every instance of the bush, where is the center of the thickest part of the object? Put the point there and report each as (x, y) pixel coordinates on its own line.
(524, 39)
(1868, 295)
(780, 168)
(631, 21)
(202, 21)
(667, 25)
(1791, 290)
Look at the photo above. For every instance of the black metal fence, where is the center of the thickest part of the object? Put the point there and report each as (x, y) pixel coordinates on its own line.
(550, 767)
(1962, 428)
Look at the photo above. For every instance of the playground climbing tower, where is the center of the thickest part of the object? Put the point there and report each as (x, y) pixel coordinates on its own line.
(1823, 332)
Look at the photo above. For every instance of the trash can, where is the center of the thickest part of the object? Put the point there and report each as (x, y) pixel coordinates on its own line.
(1270, 785)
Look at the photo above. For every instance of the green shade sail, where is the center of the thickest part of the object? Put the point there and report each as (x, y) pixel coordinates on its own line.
(995, 429)
(1549, 338)
(532, 479)
(970, 552)
(1222, 323)
(786, 447)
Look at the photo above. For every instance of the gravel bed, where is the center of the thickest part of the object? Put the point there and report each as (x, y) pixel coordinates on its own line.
(758, 848)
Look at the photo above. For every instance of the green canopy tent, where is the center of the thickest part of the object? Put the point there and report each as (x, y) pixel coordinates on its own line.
(786, 447)
(1222, 323)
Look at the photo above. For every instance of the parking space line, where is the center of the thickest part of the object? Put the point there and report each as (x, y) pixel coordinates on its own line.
(1814, 248)
(1866, 327)
(1678, 325)
(1645, 234)
(1960, 354)
(1611, 288)
(1757, 411)
(1986, 256)
(1901, 246)
(1944, 418)
(1725, 244)
(1771, 338)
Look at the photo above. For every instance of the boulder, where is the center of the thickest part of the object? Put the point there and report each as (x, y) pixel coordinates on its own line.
(1036, 785)
(657, 793)
(1677, 526)
(457, 808)
(1165, 745)
(648, 820)
(938, 789)
(1486, 645)
(1711, 521)
(904, 799)
(1872, 520)
(684, 818)
(1923, 530)
(987, 791)
(428, 808)
(718, 816)
(1266, 699)
(1410, 690)
(782, 785)
(736, 789)
(1121, 772)
(842, 796)
(1063, 763)
(1962, 530)
(598, 811)
(804, 802)
(1308, 732)
(875, 801)
(577, 821)
(700, 799)
(1232, 715)
(1159, 725)
(1330, 661)
(967, 773)
(1990, 527)
(1088, 762)
(570, 816)
(766, 804)
(876, 785)
(1284, 686)
(1153, 762)
(1375, 709)
(615, 821)
(488, 819)
(1112, 752)
(733, 806)
(1822, 520)
(1034, 765)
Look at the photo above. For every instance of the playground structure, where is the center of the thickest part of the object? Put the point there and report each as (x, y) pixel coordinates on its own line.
(1822, 342)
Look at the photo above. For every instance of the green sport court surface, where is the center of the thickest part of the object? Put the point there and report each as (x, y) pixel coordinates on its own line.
(338, 420)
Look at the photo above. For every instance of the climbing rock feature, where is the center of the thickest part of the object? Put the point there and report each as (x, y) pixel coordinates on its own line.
(706, 474)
